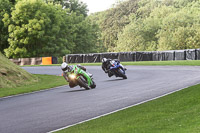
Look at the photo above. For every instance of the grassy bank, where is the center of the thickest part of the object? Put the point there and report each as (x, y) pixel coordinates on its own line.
(12, 75)
(175, 113)
(144, 63)
(42, 82)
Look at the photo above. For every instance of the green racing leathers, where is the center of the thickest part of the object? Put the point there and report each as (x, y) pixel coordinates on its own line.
(77, 76)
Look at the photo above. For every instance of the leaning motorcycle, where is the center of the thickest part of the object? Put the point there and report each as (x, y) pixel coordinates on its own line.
(117, 69)
(79, 77)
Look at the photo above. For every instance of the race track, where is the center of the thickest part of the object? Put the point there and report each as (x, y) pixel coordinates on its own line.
(49, 110)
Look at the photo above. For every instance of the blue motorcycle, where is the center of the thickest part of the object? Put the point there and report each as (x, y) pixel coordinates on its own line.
(117, 69)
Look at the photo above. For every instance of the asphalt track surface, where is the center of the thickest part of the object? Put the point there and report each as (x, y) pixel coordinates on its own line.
(49, 110)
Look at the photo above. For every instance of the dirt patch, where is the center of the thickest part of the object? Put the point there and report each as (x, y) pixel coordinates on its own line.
(3, 72)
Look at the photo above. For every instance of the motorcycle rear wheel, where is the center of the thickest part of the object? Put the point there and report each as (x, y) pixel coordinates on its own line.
(93, 85)
(83, 83)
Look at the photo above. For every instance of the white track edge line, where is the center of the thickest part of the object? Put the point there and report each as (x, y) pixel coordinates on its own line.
(119, 109)
(28, 93)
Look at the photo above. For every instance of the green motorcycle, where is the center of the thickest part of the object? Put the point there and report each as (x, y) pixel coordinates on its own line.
(77, 76)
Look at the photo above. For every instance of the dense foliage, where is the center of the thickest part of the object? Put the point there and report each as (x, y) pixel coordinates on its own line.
(41, 28)
(149, 25)
(36, 28)
(57, 27)
(112, 21)
(5, 7)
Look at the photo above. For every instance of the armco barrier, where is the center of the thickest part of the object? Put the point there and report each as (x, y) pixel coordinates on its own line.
(54, 60)
(75, 58)
(16, 61)
(127, 56)
(168, 55)
(163, 55)
(189, 54)
(197, 54)
(35, 61)
(144, 56)
(109, 55)
(180, 55)
(158, 56)
(25, 61)
(91, 58)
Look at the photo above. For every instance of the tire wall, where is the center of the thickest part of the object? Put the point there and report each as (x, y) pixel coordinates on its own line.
(35, 61)
(188, 54)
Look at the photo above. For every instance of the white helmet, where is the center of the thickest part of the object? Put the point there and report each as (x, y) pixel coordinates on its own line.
(64, 66)
(104, 60)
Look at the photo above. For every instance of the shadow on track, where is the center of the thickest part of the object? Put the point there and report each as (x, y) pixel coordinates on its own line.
(74, 91)
(113, 80)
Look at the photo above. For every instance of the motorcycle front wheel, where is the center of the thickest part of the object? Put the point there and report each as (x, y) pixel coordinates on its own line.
(122, 74)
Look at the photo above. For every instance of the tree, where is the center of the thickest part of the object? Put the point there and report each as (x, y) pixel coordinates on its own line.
(74, 6)
(115, 19)
(38, 29)
(140, 34)
(166, 26)
(86, 36)
(180, 29)
(5, 7)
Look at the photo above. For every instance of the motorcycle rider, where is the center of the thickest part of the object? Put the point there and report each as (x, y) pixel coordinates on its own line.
(67, 68)
(106, 65)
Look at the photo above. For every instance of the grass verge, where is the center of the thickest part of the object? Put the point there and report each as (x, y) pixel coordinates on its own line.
(42, 82)
(12, 75)
(174, 113)
(165, 63)
(144, 63)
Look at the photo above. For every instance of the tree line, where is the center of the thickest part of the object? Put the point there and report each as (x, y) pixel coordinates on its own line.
(150, 25)
(33, 28)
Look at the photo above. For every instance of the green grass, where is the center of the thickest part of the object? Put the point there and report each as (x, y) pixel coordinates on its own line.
(155, 63)
(165, 63)
(144, 63)
(176, 113)
(15, 80)
(12, 75)
(41, 82)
